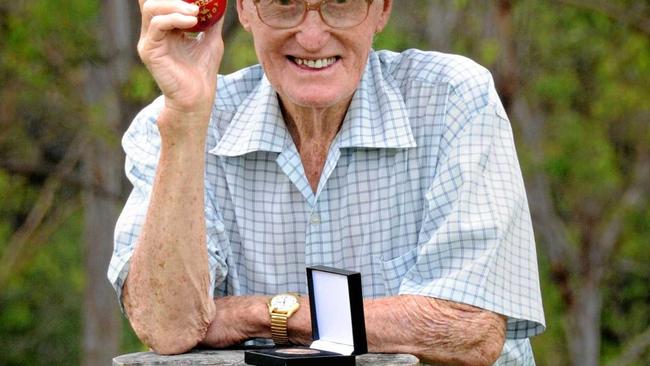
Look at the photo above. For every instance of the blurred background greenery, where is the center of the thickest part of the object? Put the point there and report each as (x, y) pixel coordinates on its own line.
(574, 76)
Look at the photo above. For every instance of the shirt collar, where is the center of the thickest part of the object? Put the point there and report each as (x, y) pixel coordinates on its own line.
(377, 118)
(256, 126)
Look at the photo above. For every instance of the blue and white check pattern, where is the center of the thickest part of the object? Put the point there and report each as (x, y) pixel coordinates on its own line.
(421, 193)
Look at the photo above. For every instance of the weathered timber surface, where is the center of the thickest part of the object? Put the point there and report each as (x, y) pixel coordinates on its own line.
(199, 358)
(236, 358)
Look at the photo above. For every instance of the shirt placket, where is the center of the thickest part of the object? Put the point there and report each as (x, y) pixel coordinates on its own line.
(318, 237)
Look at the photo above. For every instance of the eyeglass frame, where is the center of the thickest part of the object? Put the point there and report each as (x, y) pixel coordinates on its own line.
(313, 6)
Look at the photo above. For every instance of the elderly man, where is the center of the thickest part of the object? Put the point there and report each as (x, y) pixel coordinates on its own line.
(398, 165)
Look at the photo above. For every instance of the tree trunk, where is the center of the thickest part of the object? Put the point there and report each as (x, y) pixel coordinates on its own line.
(442, 19)
(103, 169)
(101, 316)
(583, 323)
(580, 290)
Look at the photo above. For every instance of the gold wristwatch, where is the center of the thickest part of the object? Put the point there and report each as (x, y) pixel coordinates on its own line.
(281, 307)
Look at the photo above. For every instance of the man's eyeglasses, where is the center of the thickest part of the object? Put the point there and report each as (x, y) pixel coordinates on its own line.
(284, 14)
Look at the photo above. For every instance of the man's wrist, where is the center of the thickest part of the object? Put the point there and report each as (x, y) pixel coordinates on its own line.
(183, 128)
(252, 316)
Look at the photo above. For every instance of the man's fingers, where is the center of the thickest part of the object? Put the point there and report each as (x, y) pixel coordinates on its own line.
(153, 8)
(161, 24)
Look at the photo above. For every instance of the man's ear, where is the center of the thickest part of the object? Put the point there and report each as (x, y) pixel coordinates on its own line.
(244, 14)
(386, 9)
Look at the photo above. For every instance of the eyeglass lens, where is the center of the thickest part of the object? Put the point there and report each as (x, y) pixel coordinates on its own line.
(290, 13)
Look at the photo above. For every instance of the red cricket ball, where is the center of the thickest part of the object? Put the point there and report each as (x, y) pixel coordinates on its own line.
(210, 11)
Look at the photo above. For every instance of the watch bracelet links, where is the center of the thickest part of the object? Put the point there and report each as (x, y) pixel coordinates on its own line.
(279, 332)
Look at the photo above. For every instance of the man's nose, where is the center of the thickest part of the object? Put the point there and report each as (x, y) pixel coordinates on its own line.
(313, 33)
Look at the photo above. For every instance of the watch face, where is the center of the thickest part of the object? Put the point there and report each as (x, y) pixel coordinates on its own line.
(283, 302)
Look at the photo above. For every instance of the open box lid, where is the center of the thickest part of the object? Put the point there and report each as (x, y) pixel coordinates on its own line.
(336, 306)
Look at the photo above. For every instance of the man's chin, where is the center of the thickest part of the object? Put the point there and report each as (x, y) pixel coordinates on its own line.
(317, 99)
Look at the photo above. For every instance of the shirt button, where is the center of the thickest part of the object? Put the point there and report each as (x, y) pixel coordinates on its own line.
(315, 218)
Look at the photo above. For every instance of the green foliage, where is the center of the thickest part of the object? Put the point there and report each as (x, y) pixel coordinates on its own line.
(45, 47)
(591, 74)
(16, 196)
(392, 38)
(628, 313)
(592, 82)
(40, 308)
(140, 88)
(239, 52)
(550, 348)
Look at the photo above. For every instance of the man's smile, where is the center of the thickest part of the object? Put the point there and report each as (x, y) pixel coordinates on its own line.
(314, 64)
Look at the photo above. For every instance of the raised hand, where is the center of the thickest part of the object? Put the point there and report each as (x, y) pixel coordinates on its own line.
(184, 65)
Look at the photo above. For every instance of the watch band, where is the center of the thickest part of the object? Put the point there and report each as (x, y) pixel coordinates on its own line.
(279, 328)
(281, 307)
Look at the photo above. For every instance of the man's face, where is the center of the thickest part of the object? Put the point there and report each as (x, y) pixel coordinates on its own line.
(313, 64)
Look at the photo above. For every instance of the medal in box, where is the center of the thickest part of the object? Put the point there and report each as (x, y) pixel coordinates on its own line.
(337, 321)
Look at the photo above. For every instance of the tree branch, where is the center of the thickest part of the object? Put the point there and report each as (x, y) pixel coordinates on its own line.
(634, 195)
(43, 171)
(42, 206)
(554, 234)
(531, 124)
(634, 349)
(40, 237)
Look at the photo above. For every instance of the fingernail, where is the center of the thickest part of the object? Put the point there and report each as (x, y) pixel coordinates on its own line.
(192, 8)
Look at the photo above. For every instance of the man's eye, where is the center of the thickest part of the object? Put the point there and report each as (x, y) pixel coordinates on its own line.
(285, 2)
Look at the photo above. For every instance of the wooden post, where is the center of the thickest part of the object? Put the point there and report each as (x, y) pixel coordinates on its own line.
(236, 358)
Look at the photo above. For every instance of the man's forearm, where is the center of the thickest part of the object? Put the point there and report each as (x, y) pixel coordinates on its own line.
(166, 292)
(436, 331)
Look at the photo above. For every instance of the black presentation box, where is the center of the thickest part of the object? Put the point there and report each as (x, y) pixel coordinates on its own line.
(337, 321)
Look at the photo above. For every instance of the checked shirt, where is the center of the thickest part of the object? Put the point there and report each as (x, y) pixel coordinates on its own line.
(421, 192)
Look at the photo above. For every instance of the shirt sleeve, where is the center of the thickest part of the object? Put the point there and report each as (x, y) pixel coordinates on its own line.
(476, 244)
(141, 143)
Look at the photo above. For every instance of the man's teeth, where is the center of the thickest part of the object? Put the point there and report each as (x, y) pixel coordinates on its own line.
(316, 64)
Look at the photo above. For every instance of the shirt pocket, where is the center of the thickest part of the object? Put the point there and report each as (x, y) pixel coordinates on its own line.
(393, 270)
